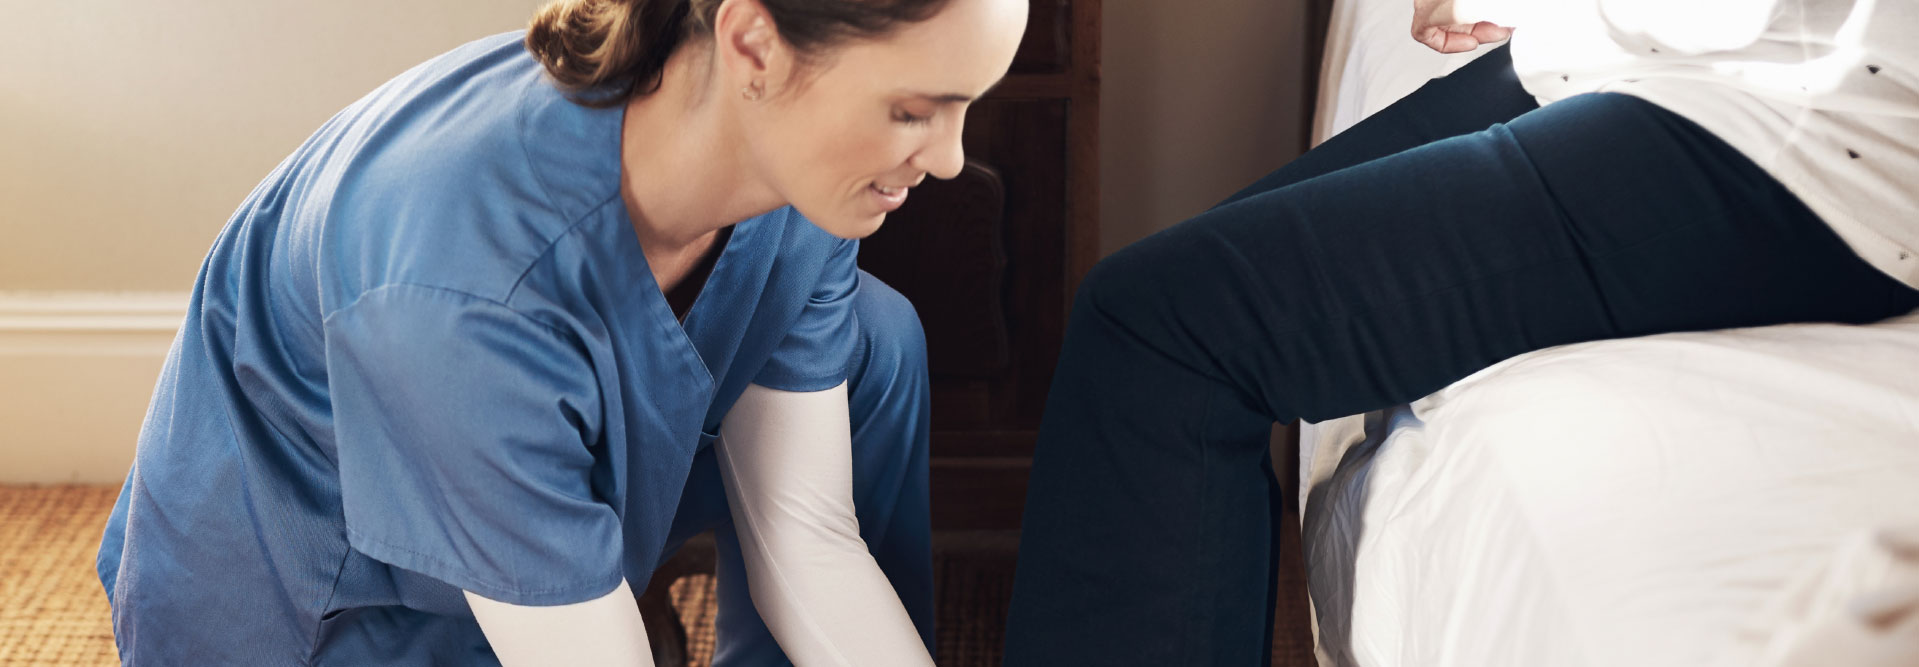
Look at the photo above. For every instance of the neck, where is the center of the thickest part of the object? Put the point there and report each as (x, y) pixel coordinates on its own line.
(684, 170)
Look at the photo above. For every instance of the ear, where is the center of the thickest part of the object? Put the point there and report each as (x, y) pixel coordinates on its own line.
(749, 44)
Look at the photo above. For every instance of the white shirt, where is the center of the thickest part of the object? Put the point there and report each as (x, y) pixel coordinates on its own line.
(1822, 94)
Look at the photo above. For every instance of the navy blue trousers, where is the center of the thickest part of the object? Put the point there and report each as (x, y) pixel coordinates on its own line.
(1457, 228)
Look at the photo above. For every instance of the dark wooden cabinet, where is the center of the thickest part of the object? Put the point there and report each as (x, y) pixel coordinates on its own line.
(991, 258)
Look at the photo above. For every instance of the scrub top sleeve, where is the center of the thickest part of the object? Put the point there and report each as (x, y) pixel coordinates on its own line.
(814, 354)
(466, 435)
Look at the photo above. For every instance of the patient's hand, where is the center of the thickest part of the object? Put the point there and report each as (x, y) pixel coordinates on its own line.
(1441, 25)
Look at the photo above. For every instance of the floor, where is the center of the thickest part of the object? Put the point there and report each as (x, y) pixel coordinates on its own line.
(52, 612)
(51, 609)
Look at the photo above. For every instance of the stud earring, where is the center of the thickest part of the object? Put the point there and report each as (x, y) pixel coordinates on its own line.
(753, 91)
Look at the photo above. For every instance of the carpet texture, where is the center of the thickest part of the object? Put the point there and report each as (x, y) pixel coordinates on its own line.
(53, 613)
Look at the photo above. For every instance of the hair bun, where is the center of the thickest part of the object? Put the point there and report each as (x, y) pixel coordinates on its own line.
(599, 50)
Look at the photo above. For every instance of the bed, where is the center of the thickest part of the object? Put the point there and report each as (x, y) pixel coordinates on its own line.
(1739, 497)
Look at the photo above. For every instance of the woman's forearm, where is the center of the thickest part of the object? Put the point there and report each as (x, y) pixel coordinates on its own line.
(786, 462)
(603, 631)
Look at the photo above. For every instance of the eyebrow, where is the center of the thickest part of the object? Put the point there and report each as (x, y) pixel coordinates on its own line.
(951, 98)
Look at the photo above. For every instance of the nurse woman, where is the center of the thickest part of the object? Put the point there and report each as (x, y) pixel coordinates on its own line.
(501, 335)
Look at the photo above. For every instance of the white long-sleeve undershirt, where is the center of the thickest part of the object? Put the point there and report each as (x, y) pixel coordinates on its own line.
(786, 461)
(602, 631)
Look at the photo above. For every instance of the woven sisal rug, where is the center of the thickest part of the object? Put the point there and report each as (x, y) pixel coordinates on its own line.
(52, 611)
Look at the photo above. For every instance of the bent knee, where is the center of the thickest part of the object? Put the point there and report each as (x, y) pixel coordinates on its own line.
(1141, 280)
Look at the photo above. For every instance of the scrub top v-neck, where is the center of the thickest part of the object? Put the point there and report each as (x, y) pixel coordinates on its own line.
(427, 355)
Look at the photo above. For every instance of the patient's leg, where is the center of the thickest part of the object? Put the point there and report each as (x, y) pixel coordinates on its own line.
(1481, 94)
(1146, 535)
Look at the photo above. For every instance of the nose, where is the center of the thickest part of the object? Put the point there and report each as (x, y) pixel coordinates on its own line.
(943, 157)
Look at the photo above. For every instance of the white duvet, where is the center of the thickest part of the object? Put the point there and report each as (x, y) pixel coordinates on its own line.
(1637, 502)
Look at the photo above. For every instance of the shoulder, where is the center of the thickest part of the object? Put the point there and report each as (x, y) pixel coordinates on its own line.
(463, 172)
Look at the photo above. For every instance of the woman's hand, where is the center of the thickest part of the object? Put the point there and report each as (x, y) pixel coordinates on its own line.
(1438, 24)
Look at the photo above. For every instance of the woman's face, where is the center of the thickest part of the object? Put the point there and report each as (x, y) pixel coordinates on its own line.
(843, 140)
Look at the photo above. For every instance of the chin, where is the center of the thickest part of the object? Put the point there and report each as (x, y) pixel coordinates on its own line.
(852, 228)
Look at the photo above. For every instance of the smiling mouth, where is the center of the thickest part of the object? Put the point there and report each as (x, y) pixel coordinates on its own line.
(888, 198)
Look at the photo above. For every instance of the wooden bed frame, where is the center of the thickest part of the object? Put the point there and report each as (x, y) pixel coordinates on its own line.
(1292, 613)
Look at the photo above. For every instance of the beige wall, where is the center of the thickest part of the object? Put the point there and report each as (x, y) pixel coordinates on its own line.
(1198, 99)
(131, 129)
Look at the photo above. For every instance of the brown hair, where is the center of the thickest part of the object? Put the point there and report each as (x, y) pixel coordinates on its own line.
(604, 51)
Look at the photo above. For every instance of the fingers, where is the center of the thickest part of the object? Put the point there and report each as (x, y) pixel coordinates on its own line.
(1460, 38)
(1446, 39)
(1486, 32)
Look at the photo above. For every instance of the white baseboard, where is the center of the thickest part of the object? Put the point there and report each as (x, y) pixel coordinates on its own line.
(76, 372)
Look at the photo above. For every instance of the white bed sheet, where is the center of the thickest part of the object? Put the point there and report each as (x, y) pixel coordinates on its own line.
(1633, 502)
(1653, 501)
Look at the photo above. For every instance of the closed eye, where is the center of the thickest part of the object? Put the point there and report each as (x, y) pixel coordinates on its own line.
(902, 116)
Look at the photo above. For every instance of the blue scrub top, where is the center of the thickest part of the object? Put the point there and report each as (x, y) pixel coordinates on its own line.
(427, 355)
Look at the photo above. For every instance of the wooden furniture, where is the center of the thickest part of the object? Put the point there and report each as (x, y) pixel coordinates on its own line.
(991, 259)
